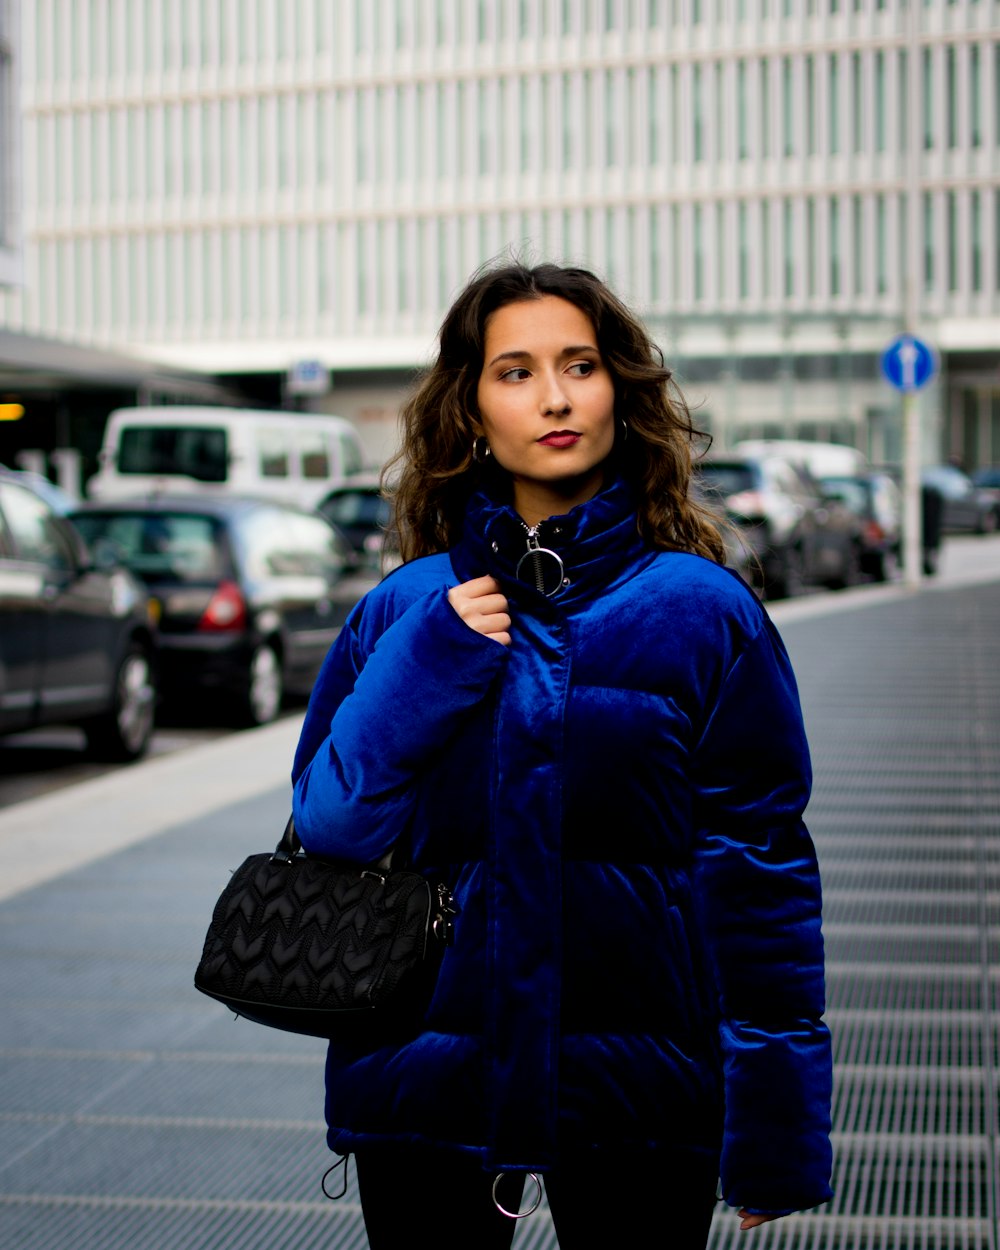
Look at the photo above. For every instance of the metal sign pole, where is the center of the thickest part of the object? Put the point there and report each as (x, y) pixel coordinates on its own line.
(912, 511)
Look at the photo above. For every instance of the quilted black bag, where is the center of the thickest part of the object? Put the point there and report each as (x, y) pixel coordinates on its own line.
(315, 945)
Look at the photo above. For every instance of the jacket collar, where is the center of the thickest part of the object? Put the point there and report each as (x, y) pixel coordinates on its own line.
(598, 543)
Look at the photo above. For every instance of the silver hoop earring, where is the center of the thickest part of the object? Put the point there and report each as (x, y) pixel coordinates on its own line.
(480, 450)
(624, 425)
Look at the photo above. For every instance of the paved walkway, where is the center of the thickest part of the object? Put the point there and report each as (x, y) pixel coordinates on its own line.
(134, 1113)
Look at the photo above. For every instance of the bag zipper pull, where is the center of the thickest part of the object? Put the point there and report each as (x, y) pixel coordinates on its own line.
(441, 926)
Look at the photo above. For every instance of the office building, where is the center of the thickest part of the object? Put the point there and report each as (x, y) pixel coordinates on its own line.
(780, 186)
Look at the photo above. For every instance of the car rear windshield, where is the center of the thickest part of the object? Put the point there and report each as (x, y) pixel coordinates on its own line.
(200, 452)
(853, 492)
(726, 479)
(357, 507)
(170, 547)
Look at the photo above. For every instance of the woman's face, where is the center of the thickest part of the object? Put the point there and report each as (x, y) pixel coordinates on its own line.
(546, 404)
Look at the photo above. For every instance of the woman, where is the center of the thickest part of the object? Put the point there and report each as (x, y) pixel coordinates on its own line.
(567, 707)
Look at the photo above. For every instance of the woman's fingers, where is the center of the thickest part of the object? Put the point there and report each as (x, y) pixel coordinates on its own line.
(754, 1221)
(483, 607)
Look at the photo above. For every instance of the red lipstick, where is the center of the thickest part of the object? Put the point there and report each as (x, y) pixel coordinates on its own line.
(560, 438)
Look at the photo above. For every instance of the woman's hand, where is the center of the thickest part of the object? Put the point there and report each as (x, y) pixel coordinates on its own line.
(483, 608)
(751, 1221)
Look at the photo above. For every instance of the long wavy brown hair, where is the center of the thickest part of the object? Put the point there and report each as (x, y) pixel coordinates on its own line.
(434, 472)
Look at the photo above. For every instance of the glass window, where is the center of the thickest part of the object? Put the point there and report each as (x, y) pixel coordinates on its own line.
(835, 252)
(788, 105)
(699, 252)
(857, 103)
(175, 547)
(765, 263)
(200, 452)
(927, 94)
(928, 241)
(765, 108)
(881, 246)
(276, 543)
(788, 235)
(36, 535)
(951, 94)
(834, 104)
(976, 233)
(314, 455)
(698, 118)
(272, 453)
(975, 98)
(880, 120)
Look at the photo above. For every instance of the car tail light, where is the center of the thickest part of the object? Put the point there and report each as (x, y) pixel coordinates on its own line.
(227, 609)
(874, 533)
(747, 503)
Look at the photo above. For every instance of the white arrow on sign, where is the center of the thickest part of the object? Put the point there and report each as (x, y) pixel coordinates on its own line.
(908, 357)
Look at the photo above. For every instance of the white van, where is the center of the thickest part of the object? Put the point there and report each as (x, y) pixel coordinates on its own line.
(292, 456)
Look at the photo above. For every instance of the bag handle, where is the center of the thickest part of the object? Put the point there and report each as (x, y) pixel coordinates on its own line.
(290, 845)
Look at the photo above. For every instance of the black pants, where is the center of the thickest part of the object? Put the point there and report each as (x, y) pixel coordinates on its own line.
(413, 1197)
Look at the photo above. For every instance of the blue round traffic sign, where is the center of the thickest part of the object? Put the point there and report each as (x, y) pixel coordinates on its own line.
(908, 363)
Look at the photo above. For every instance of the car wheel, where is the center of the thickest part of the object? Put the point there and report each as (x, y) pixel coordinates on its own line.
(785, 579)
(265, 686)
(123, 733)
(987, 523)
(885, 567)
(850, 574)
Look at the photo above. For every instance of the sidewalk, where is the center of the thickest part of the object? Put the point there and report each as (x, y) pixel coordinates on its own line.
(135, 1113)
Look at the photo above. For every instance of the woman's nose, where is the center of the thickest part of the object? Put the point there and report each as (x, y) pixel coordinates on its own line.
(555, 399)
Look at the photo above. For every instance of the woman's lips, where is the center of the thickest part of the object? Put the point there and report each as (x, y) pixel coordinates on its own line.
(560, 438)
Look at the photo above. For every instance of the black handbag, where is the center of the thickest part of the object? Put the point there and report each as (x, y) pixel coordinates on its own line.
(319, 946)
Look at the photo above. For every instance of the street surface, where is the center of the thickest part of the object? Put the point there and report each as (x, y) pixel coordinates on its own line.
(49, 759)
(135, 1112)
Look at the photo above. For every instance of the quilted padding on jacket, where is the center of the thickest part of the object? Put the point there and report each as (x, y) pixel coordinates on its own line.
(616, 800)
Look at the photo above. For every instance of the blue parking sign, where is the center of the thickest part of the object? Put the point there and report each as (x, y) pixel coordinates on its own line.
(908, 363)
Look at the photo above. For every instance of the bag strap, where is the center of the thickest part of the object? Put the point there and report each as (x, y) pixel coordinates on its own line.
(289, 846)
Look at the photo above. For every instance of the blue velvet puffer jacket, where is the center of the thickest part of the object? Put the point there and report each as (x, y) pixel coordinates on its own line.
(616, 801)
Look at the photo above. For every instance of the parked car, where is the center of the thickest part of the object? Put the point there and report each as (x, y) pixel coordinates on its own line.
(77, 638)
(247, 589)
(965, 507)
(361, 512)
(987, 481)
(783, 532)
(878, 503)
(53, 495)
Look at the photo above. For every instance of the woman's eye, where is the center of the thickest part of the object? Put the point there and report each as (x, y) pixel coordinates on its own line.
(514, 375)
(582, 368)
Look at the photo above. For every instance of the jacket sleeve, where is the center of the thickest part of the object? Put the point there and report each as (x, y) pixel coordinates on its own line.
(758, 893)
(384, 704)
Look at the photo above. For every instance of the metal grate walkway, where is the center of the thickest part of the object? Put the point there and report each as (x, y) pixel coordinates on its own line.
(135, 1114)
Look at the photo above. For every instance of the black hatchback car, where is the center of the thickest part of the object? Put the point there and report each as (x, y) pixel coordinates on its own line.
(248, 592)
(77, 641)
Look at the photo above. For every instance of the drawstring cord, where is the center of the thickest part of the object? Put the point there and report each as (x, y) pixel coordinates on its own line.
(341, 1163)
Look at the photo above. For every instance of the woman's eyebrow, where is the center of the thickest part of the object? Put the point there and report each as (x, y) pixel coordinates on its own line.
(522, 354)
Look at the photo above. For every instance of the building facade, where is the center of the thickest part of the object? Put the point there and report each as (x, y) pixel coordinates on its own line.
(779, 186)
